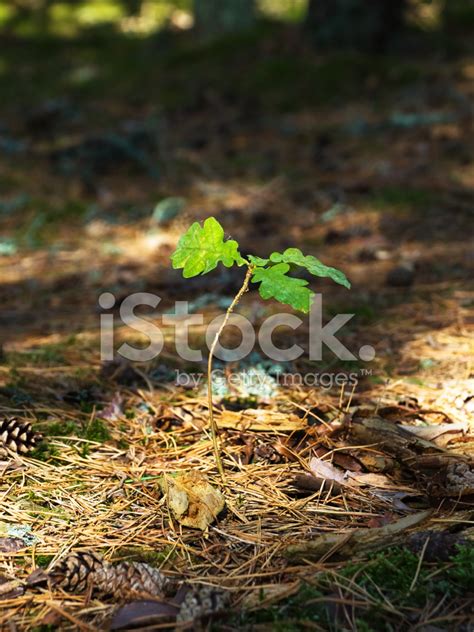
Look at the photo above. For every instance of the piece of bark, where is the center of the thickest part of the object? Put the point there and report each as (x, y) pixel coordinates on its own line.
(390, 437)
(357, 541)
(439, 472)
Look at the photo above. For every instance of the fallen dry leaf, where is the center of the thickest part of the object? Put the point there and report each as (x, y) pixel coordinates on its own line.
(260, 419)
(325, 477)
(324, 469)
(368, 478)
(432, 432)
(193, 501)
(143, 613)
(37, 578)
(114, 409)
(343, 460)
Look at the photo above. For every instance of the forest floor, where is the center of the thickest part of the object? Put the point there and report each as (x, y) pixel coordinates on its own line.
(345, 508)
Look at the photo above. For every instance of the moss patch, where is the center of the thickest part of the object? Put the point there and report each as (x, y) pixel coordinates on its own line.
(391, 587)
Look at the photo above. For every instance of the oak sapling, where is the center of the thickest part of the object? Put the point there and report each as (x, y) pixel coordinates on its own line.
(202, 248)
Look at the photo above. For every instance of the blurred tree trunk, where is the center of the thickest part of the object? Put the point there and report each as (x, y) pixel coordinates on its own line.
(42, 16)
(366, 25)
(214, 17)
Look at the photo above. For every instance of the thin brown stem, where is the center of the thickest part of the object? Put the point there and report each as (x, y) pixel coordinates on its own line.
(212, 421)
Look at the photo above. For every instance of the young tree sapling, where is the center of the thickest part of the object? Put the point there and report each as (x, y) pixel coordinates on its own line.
(202, 248)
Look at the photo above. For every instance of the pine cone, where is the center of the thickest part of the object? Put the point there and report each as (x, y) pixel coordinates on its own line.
(460, 479)
(202, 602)
(17, 437)
(454, 478)
(76, 572)
(130, 580)
(125, 580)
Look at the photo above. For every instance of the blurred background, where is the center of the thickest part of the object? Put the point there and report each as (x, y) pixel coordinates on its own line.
(343, 127)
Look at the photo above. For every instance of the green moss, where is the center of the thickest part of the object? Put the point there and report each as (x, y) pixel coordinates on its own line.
(43, 560)
(96, 430)
(392, 572)
(387, 578)
(60, 429)
(462, 571)
(35, 498)
(146, 555)
(45, 452)
(296, 613)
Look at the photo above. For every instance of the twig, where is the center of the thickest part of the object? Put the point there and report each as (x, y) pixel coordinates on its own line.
(212, 421)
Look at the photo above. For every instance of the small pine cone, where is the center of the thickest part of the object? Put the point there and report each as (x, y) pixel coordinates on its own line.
(80, 571)
(76, 572)
(129, 580)
(455, 478)
(17, 437)
(460, 479)
(202, 602)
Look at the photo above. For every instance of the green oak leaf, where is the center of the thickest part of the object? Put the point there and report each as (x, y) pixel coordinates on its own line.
(313, 265)
(201, 248)
(275, 284)
(258, 261)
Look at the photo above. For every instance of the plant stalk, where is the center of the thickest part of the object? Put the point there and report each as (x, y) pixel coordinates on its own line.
(212, 421)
